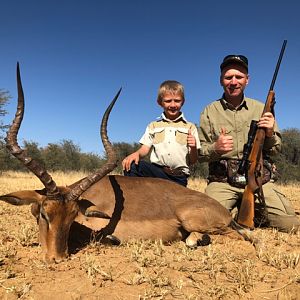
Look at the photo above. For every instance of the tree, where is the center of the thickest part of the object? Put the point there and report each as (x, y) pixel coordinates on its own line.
(291, 145)
(90, 162)
(34, 151)
(4, 97)
(72, 153)
(54, 157)
(9, 162)
(6, 159)
(288, 161)
(124, 149)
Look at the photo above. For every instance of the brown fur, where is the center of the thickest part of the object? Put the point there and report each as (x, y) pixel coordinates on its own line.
(129, 207)
(113, 207)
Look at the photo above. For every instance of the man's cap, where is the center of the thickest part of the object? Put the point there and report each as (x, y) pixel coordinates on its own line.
(234, 58)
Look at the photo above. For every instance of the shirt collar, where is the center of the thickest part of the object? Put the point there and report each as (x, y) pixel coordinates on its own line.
(227, 105)
(179, 118)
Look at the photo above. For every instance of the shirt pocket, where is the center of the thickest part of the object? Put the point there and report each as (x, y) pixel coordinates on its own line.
(181, 136)
(158, 135)
(217, 128)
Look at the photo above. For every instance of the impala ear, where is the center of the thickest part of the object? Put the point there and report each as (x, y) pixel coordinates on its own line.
(35, 210)
(24, 197)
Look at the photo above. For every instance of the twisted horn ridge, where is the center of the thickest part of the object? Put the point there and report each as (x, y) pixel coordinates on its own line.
(19, 153)
(108, 166)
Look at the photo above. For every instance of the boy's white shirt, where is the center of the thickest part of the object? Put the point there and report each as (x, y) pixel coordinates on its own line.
(168, 142)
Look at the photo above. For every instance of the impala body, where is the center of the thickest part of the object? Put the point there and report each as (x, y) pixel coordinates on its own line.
(113, 207)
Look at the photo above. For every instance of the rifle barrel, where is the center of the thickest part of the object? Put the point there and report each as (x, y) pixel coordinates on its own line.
(278, 65)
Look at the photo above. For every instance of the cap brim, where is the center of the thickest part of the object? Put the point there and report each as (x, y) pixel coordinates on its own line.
(233, 61)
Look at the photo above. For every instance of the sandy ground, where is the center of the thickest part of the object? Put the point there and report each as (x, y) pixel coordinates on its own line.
(226, 269)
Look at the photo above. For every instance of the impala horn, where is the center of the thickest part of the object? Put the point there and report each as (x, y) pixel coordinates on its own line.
(39, 171)
(21, 154)
(111, 163)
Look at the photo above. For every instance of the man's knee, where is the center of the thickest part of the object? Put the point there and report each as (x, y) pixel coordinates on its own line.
(276, 202)
(222, 193)
(285, 223)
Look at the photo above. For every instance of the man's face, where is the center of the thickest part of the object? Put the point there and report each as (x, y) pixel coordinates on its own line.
(234, 79)
(171, 103)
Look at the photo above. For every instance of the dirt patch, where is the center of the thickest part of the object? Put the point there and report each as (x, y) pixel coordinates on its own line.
(226, 269)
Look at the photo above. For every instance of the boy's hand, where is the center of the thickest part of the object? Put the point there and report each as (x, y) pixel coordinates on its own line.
(135, 156)
(191, 141)
(126, 163)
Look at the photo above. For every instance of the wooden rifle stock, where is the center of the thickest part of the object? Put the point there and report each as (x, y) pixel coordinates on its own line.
(254, 172)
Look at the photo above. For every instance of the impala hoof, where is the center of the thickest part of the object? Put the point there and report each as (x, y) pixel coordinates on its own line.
(113, 240)
(206, 240)
(197, 239)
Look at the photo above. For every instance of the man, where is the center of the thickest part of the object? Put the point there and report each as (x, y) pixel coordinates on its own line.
(224, 126)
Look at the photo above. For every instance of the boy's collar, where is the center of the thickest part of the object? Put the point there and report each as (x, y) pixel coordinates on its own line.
(179, 118)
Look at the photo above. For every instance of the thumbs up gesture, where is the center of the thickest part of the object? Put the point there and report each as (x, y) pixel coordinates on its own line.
(224, 143)
(191, 141)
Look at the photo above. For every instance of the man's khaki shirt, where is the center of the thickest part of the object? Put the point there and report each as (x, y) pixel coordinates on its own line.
(220, 114)
(168, 142)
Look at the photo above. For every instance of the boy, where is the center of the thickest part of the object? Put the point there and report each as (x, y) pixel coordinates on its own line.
(172, 140)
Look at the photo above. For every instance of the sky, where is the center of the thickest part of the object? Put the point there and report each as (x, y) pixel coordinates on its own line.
(75, 55)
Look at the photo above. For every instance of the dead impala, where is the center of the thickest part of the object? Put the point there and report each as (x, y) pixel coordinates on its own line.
(112, 206)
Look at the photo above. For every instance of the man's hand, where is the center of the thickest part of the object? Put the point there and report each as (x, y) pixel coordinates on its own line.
(224, 143)
(267, 122)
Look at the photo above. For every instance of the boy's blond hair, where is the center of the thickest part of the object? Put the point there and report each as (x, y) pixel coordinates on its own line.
(170, 86)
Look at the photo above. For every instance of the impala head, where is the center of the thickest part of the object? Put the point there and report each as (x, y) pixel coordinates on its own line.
(55, 208)
(55, 217)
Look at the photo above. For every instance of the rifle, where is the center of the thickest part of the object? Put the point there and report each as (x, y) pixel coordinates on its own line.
(252, 161)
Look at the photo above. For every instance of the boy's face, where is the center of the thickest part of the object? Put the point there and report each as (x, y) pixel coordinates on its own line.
(171, 103)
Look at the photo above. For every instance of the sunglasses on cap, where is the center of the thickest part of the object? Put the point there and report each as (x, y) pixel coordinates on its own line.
(235, 58)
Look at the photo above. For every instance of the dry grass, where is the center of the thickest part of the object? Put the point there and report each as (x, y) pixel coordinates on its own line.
(226, 269)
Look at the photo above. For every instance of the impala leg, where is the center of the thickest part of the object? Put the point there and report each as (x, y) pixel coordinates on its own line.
(197, 239)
